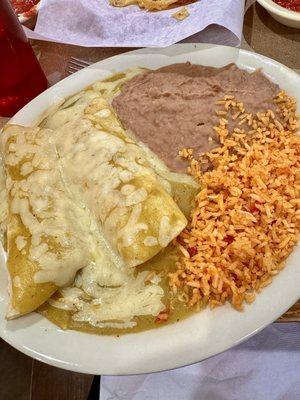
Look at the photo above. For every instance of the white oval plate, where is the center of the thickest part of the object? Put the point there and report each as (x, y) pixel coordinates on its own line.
(199, 336)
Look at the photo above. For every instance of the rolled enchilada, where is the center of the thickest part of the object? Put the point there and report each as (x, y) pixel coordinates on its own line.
(82, 195)
(44, 242)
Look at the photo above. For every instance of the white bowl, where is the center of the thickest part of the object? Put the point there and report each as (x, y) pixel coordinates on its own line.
(281, 14)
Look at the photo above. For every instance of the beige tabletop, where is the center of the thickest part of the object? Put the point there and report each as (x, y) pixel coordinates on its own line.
(24, 379)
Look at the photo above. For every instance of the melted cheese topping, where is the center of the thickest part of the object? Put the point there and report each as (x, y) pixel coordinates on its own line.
(89, 200)
(20, 242)
(3, 203)
(54, 223)
(111, 307)
(113, 171)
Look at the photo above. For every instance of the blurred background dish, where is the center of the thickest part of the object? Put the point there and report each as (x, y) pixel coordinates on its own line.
(26, 10)
(284, 15)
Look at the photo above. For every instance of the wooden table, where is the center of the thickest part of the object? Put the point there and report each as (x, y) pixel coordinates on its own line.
(22, 378)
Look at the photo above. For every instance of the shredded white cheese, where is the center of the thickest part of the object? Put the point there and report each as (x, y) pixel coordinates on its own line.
(119, 305)
(17, 281)
(150, 241)
(20, 242)
(3, 203)
(79, 196)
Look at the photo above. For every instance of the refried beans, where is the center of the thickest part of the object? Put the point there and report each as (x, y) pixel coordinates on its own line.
(173, 107)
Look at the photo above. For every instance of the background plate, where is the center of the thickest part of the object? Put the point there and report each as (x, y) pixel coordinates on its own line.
(199, 336)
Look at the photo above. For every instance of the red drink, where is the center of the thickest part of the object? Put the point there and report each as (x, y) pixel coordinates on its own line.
(21, 76)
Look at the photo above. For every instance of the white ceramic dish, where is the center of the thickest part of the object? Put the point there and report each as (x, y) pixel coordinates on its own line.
(199, 336)
(281, 14)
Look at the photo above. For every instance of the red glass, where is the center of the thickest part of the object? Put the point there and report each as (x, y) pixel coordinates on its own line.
(21, 76)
